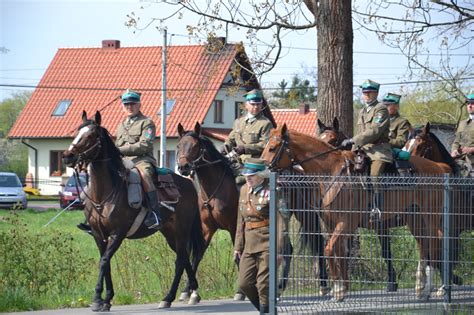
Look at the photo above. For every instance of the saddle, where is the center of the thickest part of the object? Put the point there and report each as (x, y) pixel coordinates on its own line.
(400, 166)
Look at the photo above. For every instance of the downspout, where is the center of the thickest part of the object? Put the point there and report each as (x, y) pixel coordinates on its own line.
(35, 181)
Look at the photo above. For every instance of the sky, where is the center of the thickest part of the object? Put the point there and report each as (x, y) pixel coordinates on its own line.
(31, 32)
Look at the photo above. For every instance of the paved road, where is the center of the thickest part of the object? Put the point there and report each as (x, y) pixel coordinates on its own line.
(213, 307)
(43, 205)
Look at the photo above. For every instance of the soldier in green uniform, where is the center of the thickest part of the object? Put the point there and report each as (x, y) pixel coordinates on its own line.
(373, 128)
(135, 137)
(252, 236)
(249, 134)
(463, 146)
(399, 126)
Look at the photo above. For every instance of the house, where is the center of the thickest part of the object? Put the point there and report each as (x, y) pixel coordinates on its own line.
(205, 83)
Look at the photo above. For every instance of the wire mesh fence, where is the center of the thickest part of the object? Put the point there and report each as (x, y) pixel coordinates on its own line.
(360, 245)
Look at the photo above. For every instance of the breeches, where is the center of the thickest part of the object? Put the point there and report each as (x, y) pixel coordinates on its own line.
(148, 172)
(254, 278)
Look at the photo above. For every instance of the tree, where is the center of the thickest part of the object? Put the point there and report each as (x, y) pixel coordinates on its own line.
(10, 108)
(300, 91)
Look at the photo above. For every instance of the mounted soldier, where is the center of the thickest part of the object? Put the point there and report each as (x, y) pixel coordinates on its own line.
(373, 128)
(249, 134)
(463, 146)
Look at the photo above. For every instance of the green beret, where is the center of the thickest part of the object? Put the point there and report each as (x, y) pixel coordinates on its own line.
(370, 85)
(253, 166)
(254, 96)
(392, 98)
(130, 96)
(470, 97)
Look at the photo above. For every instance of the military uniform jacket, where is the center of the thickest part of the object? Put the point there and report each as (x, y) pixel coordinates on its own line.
(464, 137)
(399, 130)
(253, 207)
(373, 128)
(251, 134)
(135, 137)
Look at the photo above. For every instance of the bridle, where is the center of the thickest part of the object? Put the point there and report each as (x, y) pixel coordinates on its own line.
(427, 148)
(201, 160)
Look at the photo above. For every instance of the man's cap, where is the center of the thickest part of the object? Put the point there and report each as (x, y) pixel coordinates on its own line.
(470, 97)
(370, 85)
(254, 96)
(253, 166)
(392, 98)
(130, 96)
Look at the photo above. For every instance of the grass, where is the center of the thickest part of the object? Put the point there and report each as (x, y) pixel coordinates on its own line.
(57, 266)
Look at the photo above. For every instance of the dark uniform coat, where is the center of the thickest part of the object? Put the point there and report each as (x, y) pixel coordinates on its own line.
(373, 127)
(399, 130)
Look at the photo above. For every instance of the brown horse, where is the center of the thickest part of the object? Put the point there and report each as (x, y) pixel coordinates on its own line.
(289, 148)
(332, 134)
(111, 218)
(212, 173)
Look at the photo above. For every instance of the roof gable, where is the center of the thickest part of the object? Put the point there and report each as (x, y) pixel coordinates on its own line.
(94, 78)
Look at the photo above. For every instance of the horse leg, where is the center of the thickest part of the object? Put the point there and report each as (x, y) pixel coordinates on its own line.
(385, 242)
(332, 252)
(180, 263)
(107, 249)
(323, 274)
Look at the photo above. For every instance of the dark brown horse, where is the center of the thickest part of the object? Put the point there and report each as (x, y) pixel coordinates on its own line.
(288, 148)
(111, 218)
(218, 193)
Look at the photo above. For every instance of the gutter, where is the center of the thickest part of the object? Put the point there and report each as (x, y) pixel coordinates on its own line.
(35, 182)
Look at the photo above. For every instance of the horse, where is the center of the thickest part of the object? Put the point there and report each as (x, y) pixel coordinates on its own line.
(332, 134)
(289, 148)
(112, 219)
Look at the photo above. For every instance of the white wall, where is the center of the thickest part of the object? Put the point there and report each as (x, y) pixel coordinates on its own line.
(229, 101)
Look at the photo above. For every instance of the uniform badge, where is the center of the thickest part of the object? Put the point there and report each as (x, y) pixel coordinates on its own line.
(379, 118)
(149, 134)
(259, 208)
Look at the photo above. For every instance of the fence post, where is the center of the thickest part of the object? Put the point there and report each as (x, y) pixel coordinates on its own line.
(446, 241)
(273, 243)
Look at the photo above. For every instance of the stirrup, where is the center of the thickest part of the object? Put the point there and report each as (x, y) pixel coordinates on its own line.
(157, 224)
(84, 227)
(375, 215)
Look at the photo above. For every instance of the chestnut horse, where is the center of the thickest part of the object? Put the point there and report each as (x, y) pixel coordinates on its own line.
(287, 148)
(108, 212)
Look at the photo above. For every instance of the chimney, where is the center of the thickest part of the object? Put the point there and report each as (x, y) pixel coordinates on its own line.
(304, 108)
(111, 44)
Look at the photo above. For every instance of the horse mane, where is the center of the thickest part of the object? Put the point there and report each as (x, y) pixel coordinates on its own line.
(213, 152)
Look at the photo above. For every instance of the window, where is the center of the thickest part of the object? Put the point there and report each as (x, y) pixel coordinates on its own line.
(169, 107)
(239, 109)
(170, 159)
(62, 107)
(218, 115)
(56, 166)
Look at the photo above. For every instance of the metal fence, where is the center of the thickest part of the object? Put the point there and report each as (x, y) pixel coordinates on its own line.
(431, 213)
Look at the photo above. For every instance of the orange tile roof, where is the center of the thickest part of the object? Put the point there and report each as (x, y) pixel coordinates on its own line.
(304, 123)
(94, 78)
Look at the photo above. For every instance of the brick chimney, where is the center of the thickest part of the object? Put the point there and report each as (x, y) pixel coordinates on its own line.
(304, 108)
(111, 44)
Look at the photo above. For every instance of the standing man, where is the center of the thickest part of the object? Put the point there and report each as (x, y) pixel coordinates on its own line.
(249, 134)
(373, 127)
(135, 137)
(463, 146)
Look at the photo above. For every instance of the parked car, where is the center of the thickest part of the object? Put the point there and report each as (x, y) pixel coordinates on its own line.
(70, 191)
(11, 191)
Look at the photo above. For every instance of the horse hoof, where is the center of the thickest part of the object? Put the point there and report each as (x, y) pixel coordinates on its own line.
(194, 299)
(239, 297)
(184, 296)
(164, 304)
(440, 292)
(105, 307)
(392, 287)
(422, 296)
(338, 298)
(323, 291)
(97, 306)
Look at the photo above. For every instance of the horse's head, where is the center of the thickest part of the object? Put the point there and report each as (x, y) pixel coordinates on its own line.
(420, 142)
(189, 149)
(273, 153)
(331, 135)
(86, 145)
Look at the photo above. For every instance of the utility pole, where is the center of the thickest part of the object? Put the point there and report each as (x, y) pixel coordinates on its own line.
(163, 104)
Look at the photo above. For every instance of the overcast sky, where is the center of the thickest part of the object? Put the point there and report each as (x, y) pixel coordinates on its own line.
(32, 31)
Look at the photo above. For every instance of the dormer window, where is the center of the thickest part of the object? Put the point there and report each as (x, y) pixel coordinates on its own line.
(62, 107)
(169, 107)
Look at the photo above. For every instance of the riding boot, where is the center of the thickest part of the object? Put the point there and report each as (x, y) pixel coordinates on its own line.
(153, 217)
(375, 213)
(264, 309)
(85, 227)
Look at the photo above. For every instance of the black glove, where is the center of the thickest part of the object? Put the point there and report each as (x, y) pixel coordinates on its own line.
(239, 149)
(347, 142)
(224, 150)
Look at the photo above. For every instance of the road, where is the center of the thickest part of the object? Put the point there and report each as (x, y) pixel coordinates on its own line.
(213, 307)
(43, 205)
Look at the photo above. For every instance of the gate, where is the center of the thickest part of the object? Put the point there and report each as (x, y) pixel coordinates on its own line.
(299, 197)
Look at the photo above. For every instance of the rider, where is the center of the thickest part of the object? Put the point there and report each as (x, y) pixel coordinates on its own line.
(373, 137)
(399, 126)
(249, 134)
(135, 137)
(463, 145)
